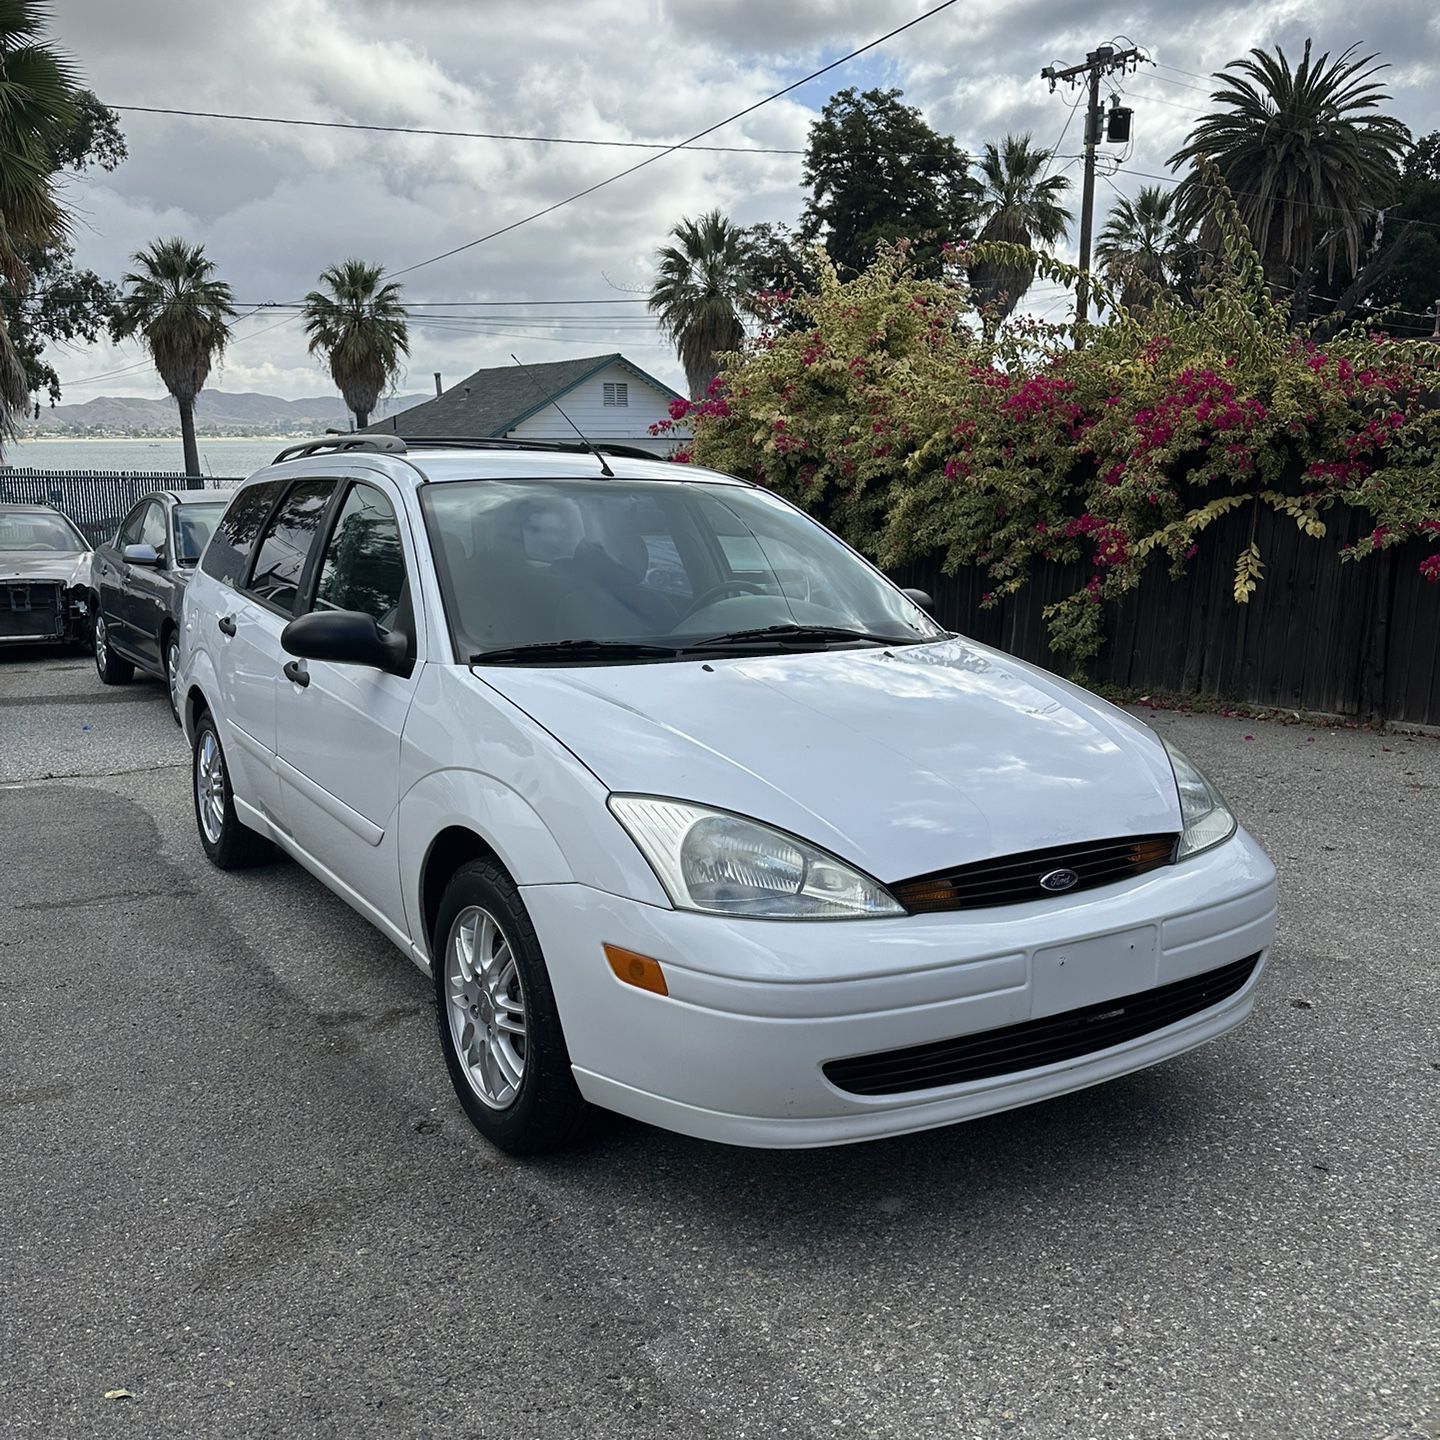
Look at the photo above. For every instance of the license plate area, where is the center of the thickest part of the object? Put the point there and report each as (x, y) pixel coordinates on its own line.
(1085, 972)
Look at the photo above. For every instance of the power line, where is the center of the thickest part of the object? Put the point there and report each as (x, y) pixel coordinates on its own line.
(660, 145)
(146, 364)
(699, 135)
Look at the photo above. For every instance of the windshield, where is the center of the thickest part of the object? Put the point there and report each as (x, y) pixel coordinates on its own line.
(658, 563)
(193, 524)
(37, 530)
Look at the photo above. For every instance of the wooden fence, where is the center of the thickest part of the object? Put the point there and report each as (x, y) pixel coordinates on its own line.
(96, 500)
(1358, 638)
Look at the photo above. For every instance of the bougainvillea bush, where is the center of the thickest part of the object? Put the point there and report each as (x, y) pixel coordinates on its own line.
(881, 406)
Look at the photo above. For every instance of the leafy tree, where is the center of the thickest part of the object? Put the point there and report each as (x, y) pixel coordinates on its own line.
(702, 285)
(875, 171)
(37, 107)
(1304, 153)
(63, 303)
(174, 301)
(359, 326)
(1142, 249)
(1019, 205)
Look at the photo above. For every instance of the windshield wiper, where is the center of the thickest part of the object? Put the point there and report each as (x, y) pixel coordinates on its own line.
(800, 635)
(574, 650)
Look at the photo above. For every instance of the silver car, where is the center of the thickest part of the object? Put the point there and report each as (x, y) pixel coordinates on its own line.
(44, 577)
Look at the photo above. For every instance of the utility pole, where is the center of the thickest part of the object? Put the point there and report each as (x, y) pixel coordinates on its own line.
(1103, 60)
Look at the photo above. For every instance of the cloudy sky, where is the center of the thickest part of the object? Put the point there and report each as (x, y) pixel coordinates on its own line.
(274, 204)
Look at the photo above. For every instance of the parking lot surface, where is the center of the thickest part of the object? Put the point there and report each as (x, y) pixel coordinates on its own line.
(237, 1186)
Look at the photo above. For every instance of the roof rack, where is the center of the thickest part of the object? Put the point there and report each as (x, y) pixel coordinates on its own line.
(385, 444)
(499, 442)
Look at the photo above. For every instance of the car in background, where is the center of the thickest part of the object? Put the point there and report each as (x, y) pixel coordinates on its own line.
(44, 577)
(689, 812)
(138, 579)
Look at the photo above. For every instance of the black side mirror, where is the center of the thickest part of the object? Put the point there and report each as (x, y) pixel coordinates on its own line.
(345, 637)
(141, 555)
(922, 599)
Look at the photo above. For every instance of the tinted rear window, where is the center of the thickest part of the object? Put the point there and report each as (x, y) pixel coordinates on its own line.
(228, 552)
(281, 559)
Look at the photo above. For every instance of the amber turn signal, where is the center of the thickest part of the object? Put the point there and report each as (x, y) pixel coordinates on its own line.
(637, 970)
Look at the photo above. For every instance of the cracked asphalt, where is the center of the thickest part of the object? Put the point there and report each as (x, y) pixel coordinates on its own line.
(236, 1186)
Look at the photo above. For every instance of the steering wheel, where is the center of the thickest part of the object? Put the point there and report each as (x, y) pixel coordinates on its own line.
(720, 591)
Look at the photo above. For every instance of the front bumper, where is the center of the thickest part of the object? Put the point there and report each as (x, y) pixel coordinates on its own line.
(42, 611)
(757, 1008)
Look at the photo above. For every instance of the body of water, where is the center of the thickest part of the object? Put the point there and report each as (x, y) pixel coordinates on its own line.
(230, 458)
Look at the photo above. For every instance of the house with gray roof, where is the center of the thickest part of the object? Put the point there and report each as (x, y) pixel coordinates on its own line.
(607, 396)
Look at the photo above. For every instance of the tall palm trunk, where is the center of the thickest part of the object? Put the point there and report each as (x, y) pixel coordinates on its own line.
(187, 435)
(362, 419)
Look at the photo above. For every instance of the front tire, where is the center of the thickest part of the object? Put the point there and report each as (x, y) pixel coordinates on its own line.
(229, 845)
(499, 1028)
(110, 667)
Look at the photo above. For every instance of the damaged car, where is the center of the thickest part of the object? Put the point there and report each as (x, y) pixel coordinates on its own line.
(44, 577)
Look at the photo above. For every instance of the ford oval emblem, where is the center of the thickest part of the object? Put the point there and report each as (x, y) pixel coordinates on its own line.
(1059, 880)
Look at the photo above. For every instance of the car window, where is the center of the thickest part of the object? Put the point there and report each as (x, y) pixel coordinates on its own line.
(152, 527)
(228, 553)
(540, 561)
(364, 564)
(134, 524)
(280, 560)
(22, 530)
(194, 525)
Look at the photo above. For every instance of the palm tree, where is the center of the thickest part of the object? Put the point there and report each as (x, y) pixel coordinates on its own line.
(360, 328)
(174, 301)
(1141, 247)
(701, 286)
(1304, 154)
(37, 106)
(1019, 204)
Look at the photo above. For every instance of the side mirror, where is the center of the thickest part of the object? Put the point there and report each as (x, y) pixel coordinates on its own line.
(141, 555)
(345, 637)
(922, 599)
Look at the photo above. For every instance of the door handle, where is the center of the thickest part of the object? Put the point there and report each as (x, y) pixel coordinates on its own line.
(226, 624)
(295, 671)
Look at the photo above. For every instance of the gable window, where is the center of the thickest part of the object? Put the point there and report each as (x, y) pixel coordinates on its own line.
(617, 392)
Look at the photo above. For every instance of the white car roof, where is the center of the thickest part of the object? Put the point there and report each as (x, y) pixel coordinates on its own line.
(440, 463)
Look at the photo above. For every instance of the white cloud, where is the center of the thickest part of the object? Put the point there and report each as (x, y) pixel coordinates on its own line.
(274, 204)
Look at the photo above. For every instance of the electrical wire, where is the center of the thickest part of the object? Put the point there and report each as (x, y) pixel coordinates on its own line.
(690, 140)
(449, 134)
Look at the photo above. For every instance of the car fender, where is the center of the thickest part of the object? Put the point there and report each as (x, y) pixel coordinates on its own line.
(197, 673)
(591, 848)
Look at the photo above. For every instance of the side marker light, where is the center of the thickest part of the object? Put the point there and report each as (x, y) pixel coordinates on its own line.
(637, 970)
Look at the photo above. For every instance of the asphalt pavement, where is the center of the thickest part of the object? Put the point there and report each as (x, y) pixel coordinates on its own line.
(237, 1190)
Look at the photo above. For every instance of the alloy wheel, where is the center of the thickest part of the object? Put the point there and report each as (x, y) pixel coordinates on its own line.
(485, 1004)
(172, 674)
(210, 786)
(100, 656)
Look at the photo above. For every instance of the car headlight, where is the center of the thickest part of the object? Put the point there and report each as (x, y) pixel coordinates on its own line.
(1206, 817)
(723, 864)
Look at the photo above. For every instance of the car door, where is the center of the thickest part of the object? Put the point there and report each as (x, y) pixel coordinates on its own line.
(108, 569)
(145, 589)
(338, 726)
(248, 636)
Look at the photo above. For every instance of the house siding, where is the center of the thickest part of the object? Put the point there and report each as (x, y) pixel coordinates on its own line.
(628, 425)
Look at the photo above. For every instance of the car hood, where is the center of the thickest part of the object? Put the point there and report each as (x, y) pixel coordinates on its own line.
(903, 762)
(68, 569)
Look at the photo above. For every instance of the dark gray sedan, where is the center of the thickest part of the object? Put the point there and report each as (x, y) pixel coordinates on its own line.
(139, 580)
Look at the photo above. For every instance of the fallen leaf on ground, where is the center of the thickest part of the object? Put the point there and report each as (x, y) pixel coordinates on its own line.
(119, 1394)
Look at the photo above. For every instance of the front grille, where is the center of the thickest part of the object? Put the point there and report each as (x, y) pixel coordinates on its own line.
(1008, 879)
(30, 611)
(1034, 1043)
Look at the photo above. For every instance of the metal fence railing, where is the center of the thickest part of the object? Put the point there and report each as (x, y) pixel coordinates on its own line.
(96, 500)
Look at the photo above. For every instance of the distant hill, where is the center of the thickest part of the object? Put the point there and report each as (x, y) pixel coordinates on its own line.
(217, 413)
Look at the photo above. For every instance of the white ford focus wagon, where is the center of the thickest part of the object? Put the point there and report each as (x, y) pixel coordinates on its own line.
(690, 813)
